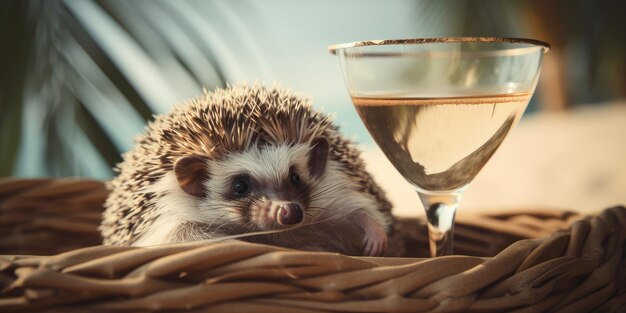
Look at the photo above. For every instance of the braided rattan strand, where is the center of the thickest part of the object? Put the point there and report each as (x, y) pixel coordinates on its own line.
(48, 216)
(580, 269)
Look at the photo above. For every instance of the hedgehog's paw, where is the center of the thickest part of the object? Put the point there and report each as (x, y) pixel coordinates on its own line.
(375, 240)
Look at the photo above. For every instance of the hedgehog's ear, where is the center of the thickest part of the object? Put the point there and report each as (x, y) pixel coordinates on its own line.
(191, 172)
(318, 157)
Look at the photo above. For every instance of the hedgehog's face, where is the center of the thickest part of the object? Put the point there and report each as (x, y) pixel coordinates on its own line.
(263, 188)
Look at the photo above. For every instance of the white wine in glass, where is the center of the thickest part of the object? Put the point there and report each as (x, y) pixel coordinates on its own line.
(439, 108)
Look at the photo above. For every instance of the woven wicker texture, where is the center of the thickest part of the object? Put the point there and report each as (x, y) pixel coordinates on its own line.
(579, 269)
(45, 216)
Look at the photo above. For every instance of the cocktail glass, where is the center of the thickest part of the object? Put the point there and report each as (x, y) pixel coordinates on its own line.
(439, 108)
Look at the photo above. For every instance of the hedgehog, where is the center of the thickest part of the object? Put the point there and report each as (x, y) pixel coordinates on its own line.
(252, 162)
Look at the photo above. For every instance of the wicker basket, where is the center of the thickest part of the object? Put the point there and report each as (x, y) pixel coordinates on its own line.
(526, 261)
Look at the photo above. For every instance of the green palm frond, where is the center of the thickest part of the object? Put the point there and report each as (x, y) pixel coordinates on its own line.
(88, 75)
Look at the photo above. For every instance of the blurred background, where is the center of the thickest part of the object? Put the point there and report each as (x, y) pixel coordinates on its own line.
(80, 78)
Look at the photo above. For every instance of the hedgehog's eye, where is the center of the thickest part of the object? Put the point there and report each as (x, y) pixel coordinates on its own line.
(295, 179)
(241, 187)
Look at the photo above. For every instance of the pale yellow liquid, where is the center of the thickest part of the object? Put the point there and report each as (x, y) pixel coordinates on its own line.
(440, 144)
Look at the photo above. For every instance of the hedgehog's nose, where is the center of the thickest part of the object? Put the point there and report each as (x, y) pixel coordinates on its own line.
(289, 214)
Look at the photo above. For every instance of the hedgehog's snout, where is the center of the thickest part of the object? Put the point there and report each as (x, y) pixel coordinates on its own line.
(289, 214)
(270, 214)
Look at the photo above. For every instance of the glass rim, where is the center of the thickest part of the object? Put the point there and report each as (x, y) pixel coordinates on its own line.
(414, 41)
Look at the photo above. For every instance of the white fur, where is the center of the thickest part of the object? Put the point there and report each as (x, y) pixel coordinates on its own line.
(339, 196)
(269, 162)
(343, 199)
(175, 208)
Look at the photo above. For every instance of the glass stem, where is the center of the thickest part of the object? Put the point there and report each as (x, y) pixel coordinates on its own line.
(440, 211)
